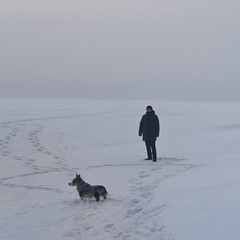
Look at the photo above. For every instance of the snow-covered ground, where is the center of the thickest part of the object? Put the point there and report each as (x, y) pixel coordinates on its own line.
(191, 193)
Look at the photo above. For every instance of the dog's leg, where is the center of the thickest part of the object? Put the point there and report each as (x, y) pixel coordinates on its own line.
(81, 195)
(97, 196)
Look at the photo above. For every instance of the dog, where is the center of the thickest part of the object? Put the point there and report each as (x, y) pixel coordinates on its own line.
(88, 191)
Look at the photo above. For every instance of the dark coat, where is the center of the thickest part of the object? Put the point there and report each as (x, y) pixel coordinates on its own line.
(149, 126)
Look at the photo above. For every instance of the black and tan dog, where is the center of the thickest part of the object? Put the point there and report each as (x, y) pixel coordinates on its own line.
(88, 191)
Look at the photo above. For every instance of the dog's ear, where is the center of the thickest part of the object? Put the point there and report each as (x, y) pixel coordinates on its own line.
(76, 175)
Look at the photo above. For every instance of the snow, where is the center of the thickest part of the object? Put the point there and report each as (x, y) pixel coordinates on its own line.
(191, 192)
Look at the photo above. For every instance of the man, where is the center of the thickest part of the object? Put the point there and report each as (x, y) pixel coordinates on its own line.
(149, 129)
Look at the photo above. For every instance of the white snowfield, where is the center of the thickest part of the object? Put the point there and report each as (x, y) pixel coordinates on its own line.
(192, 192)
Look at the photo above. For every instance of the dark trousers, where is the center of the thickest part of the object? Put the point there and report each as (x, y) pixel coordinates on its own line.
(151, 149)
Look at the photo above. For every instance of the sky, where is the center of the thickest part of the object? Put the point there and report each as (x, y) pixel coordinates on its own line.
(122, 49)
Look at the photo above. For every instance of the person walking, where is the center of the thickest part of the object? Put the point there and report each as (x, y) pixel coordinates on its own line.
(149, 128)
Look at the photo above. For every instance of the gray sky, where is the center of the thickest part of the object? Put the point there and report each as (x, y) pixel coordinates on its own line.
(127, 49)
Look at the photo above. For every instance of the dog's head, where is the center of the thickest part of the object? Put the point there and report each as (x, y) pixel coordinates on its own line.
(75, 181)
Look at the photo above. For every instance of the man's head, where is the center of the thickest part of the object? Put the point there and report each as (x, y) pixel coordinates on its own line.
(149, 108)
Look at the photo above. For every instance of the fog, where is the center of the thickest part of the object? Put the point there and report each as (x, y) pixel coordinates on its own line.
(124, 49)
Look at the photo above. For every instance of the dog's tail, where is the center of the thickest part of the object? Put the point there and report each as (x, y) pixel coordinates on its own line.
(102, 191)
